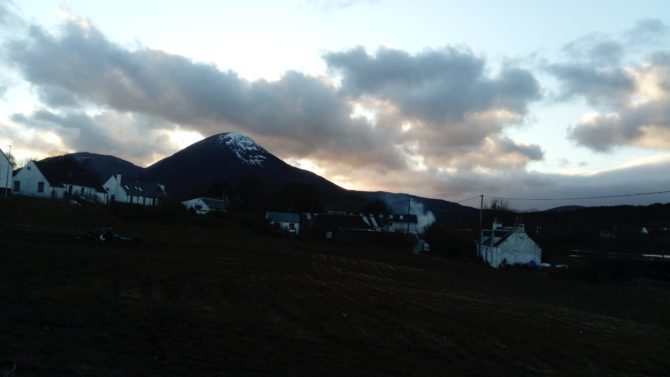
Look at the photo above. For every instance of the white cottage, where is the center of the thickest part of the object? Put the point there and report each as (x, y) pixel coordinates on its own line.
(134, 191)
(402, 223)
(203, 206)
(501, 246)
(5, 173)
(57, 178)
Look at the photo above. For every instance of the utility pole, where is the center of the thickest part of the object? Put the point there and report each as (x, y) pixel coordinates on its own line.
(481, 210)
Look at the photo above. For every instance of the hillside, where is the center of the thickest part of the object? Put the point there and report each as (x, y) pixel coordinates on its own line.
(219, 299)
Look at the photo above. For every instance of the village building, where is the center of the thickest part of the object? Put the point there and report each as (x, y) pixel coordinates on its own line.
(203, 206)
(5, 173)
(401, 223)
(284, 221)
(57, 178)
(504, 246)
(133, 191)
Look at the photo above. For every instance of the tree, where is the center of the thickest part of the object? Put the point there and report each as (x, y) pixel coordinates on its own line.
(12, 160)
(499, 209)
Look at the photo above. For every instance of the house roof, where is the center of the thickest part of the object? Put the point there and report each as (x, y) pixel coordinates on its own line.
(141, 188)
(283, 217)
(500, 235)
(324, 221)
(213, 203)
(61, 171)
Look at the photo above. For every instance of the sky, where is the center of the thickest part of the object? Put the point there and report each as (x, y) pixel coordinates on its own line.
(444, 99)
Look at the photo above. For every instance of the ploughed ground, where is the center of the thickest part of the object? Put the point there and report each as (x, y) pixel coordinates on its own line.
(224, 300)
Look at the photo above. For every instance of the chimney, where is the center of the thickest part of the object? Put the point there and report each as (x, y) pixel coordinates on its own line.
(118, 178)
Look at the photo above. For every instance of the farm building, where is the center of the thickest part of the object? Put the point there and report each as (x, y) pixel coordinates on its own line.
(57, 179)
(5, 173)
(285, 221)
(501, 246)
(134, 191)
(203, 206)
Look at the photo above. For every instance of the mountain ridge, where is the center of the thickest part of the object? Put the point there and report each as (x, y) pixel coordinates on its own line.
(230, 157)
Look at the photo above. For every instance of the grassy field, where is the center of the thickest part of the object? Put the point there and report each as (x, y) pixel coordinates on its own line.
(219, 299)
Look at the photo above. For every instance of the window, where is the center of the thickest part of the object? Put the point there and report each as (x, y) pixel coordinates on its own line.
(40, 186)
(17, 186)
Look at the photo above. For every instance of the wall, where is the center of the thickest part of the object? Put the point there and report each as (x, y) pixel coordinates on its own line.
(29, 177)
(518, 248)
(5, 172)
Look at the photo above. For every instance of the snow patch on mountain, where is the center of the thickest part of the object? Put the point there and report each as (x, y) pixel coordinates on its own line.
(244, 148)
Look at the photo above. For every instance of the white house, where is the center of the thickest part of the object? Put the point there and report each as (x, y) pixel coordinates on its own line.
(286, 221)
(202, 206)
(402, 223)
(502, 246)
(134, 191)
(5, 172)
(57, 178)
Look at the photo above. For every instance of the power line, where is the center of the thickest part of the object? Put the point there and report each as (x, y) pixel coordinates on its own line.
(467, 200)
(581, 197)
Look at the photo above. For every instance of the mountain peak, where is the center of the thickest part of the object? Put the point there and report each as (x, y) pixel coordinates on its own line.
(244, 148)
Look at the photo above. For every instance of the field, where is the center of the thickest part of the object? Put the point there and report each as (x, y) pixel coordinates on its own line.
(215, 298)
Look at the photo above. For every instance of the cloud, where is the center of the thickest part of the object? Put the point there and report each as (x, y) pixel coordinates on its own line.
(599, 86)
(455, 111)
(630, 95)
(434, 86)
(647, 31)
(106, 133)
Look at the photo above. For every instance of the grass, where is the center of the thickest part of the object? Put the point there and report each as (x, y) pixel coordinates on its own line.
(218, 299)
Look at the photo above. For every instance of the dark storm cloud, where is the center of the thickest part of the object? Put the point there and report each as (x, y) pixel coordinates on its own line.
(434, 86)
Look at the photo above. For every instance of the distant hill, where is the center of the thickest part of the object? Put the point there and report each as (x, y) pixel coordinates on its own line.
(564, 209)
(104, 166)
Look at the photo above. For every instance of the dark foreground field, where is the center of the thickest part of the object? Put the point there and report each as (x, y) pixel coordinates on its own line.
(194, 301)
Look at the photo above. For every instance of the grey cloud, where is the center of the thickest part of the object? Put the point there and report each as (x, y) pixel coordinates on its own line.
(647, 31)
(55, 96)
(599, 86)
(108, 133)
(600, 134)
(530, 151)
(628, 127)
(434, 86)
(83, 64)
(597, 49)
(298, 115)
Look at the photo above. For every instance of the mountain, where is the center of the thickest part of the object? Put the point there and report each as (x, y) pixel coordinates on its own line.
(232, 157)
(228, 157)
